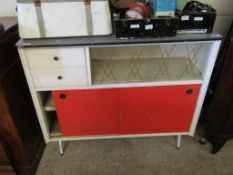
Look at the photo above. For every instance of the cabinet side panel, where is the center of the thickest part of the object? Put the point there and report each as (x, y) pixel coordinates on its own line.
(36, 97)
(212, 55)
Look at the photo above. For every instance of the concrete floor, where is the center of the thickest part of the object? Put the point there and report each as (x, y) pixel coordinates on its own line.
(142, 156)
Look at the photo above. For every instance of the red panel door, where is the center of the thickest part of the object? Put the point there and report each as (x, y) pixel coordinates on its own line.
(87, 112)
(162, 109)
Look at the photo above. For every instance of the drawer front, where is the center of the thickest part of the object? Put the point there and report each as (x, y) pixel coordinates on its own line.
(59, 77)
(56, 57)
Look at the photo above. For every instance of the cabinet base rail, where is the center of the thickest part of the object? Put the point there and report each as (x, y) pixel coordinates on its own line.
(127, 136)
(61, 148)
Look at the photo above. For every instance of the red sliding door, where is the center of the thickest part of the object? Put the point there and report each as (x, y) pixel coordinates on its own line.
(157, 109)
(87, 112)
(162, 109)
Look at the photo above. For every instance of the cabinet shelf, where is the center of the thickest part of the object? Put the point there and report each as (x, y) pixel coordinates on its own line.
(109, 71)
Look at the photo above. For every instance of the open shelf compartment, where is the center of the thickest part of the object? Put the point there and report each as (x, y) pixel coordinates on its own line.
(49, 104)
(54, 129)
(50, 115)
(147, 63)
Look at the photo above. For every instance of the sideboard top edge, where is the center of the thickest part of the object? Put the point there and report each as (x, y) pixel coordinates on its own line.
(111, 40)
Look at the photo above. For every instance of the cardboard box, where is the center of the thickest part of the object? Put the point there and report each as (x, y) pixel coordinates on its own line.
(164, 7)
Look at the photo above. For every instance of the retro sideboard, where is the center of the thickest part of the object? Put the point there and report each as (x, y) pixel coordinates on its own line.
(100, 87)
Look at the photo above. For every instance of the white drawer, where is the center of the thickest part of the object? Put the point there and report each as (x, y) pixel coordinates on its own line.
(56, 57)
(56, 77)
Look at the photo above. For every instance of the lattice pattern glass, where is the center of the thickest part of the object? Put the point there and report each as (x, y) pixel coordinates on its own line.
(132, 64)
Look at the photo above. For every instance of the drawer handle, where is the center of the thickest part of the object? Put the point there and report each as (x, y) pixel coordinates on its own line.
(59, 77)
(189, 91)
(55, 58)
(62, 96)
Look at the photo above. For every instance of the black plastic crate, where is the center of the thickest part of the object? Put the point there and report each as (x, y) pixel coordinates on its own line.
(196, 21)
(149, 27)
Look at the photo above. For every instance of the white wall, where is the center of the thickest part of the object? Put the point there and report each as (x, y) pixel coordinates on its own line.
(223, 7)
(224, 14)
(7, 7)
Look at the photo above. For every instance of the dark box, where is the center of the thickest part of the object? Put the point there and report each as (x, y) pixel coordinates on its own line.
(196, 18)
(150, 27)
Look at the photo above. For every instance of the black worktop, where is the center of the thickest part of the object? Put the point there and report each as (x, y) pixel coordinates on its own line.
(111, 40)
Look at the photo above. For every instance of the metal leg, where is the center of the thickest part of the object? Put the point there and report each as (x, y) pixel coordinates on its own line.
(60, 148)
(178, 144)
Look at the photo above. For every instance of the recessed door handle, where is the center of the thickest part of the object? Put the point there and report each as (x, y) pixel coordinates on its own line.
(62, 96)
(189, 91)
